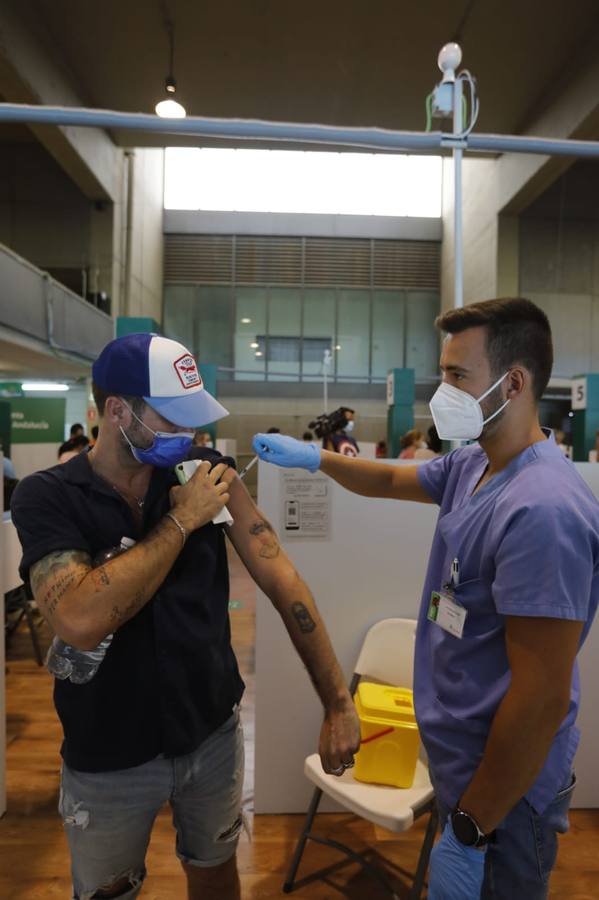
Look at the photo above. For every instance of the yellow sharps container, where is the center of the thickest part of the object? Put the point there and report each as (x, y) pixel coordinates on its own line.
(389, 735)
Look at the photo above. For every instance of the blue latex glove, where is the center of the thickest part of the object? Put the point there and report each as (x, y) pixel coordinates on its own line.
(456, 872)
(287, 452)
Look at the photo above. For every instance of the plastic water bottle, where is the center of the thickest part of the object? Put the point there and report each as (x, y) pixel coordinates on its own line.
(80, 666)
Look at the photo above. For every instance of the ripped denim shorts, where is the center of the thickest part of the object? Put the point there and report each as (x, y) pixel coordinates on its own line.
(108, 816)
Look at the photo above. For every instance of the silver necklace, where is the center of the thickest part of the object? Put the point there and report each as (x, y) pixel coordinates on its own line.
(139, 500)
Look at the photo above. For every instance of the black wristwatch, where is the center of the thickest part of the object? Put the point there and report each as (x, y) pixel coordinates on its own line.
(466, 829)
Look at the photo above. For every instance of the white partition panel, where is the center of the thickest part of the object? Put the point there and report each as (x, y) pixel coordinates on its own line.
(371, 567)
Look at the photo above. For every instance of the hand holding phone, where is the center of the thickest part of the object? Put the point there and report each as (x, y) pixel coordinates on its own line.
(184, 472)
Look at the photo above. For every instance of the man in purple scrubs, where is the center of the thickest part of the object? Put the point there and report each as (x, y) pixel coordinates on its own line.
(510, 594)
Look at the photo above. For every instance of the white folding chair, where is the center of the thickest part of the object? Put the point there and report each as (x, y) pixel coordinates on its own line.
(387, 656)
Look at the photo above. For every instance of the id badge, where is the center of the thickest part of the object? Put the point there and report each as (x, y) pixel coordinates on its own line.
(446, 613)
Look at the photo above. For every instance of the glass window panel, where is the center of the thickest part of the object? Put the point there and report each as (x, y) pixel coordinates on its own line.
(284, 330)
(387, 331)
(422, 346)
(213, 326)
(250, 321)
(319, 331)
(179, 304)
(353, 334)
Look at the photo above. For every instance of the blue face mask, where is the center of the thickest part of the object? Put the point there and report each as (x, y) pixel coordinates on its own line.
(167, 450)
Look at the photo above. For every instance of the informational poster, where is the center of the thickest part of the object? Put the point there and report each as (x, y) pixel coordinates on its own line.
(306, 506)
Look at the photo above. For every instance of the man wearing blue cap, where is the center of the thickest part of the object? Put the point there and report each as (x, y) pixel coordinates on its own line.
(159, 720)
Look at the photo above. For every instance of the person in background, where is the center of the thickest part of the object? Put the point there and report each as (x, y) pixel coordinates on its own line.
(9, 469)
(202, 439)
(94, 437)
(72, 448)
(410, 442)
(381, 450)
(560, 440)
(307, 436)
(9, 479)
(510, 595)
(74, 444)
(340, 439)
(433, 447)
(273, 430)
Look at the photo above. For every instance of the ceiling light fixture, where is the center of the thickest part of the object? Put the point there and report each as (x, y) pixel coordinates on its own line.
(254, 345)
(170, 108)
(43, 386)
(246, 321)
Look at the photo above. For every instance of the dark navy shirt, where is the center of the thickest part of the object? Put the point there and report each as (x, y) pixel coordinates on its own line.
(527, 544)
(170, 676)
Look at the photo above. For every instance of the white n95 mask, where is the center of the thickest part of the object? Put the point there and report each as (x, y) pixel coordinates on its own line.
(458, 415)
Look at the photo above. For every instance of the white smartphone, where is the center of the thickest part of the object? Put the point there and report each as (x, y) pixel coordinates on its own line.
(184, 471)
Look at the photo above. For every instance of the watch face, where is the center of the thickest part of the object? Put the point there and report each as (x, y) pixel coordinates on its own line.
(464, 828)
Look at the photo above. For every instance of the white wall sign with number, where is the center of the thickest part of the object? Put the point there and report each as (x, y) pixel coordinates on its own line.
(390, 389)
(579, 393)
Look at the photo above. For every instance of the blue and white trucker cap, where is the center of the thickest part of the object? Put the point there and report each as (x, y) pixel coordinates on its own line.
(161, 371)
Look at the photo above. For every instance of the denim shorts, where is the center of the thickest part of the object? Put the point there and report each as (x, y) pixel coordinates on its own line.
(519, 863)
(108, 816)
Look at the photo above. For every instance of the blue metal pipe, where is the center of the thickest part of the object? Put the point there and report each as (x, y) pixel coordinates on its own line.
(257, 130)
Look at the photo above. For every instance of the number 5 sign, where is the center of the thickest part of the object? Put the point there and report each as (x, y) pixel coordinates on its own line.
(579, 393)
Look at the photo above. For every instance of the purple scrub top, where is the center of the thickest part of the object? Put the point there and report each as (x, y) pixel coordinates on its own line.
(528, 545)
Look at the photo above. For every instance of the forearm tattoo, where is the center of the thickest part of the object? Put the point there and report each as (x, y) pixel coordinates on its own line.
(303, 618)
(119, 616)
(55, 574)
(269, 545)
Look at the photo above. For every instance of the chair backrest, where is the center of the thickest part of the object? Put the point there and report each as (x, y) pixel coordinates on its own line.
(387, 654)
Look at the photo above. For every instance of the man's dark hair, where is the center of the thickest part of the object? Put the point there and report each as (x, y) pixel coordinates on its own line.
(518, 333)
(100, 397)
(75, 428)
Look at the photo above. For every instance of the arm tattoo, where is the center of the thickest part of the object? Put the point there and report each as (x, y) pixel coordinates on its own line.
(303, 618)
(100, 577)
(119, 616)
(52, 576)
(261, 526)
(269, 545)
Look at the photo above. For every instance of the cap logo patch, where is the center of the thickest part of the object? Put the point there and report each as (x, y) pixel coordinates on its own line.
(187, 370)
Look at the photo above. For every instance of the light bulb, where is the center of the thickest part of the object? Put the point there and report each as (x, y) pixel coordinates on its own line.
(170, 109)
(450, 56)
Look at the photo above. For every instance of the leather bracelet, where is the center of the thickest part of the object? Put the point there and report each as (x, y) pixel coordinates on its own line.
(173, 518)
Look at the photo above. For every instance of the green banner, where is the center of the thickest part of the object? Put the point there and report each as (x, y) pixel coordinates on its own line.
(37, 420)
